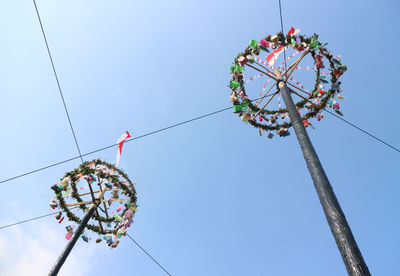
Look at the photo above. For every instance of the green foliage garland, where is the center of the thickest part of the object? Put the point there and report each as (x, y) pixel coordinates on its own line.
(86, 169)
(300, 43)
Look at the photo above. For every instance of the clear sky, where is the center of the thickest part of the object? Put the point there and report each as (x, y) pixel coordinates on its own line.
(215, 198)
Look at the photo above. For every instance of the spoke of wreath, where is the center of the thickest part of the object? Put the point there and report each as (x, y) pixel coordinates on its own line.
(90, 202)
(268, 70)
(95, 192)
(291, 67)
(308, 93)
(304, 98)
(261, 71)
(104, 204)
(288, 82)
(296, 63)
(262, 98)
(92, 194)
(297, 94)
(265, 105)
(272, 84)
(98, 217)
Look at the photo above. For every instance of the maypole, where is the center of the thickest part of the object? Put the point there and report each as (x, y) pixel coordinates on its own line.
(310, 105)
(110, 213)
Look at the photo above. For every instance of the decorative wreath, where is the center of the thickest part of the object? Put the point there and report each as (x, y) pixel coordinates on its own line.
(310, 104)
(112, 221)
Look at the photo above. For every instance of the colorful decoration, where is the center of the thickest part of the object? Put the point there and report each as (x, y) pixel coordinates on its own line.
(75, 202)
(121, 141)
(328, 69)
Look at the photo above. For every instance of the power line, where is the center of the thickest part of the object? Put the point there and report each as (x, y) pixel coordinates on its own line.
(362, 130)
(31, 219)
(113, 145)
(149, 255)
(62, 97)
(35, 218)
(56, 76)
(173, 126)
(351, 124)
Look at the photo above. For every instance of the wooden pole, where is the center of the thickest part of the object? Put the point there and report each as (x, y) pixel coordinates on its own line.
(60, 261)
(94, 192)
(340, 229)
(270, 99)
(265, 94)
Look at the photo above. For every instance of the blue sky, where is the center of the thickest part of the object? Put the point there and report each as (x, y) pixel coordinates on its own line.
(215, 198)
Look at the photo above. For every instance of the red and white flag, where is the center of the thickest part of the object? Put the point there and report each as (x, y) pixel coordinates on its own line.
(271, 58)
(121, 141)
(293, 31)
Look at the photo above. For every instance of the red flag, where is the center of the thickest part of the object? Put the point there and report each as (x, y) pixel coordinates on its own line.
(271, 58)
(120, 142)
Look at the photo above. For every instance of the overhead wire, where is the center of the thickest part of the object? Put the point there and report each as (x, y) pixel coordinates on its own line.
(362, 130)
(63, 100)
(176, 125)
(116, 144)
(57, 80)
(27, 220)
(148, 254)
(35, 218)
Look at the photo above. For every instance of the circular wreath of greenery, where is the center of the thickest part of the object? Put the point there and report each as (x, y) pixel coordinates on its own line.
(300, 43)
(87, 169)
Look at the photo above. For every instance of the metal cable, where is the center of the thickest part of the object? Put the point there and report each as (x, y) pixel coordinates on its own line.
(147, 253)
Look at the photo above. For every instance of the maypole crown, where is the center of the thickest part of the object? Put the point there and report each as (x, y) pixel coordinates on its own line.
(311, 103)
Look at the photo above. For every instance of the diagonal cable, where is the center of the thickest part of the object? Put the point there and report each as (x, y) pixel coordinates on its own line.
(31, 219)
(62, 97)
(362, 130)
(173, 126)
(154, 260)
(57, 80)
(113, 145)
(27, 220)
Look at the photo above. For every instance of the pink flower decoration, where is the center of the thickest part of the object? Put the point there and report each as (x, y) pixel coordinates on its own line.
(264, 43)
